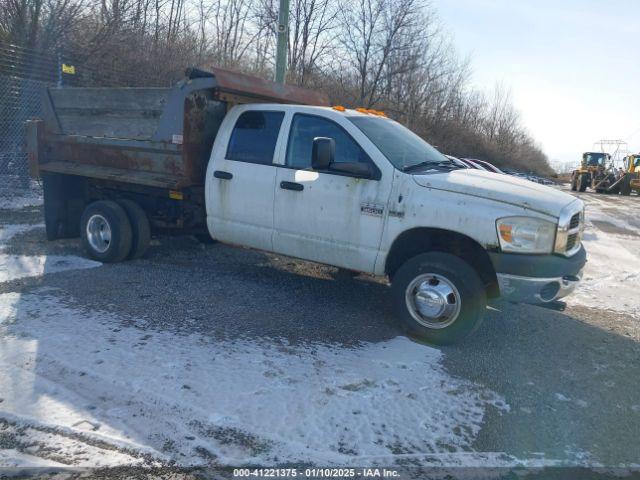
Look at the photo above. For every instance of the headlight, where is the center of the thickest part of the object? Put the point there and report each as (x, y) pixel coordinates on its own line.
(526, 234)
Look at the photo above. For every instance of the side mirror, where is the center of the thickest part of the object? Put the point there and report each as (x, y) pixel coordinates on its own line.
(357, 169)
(323, 153)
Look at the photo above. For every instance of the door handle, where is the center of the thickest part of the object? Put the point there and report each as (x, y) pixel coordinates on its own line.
(223, 175)
(298, 187)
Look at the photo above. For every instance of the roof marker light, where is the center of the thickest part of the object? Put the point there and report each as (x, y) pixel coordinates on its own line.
(371, 111)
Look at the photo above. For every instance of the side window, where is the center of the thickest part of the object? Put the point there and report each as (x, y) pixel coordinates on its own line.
(254, 137)
(305, 128)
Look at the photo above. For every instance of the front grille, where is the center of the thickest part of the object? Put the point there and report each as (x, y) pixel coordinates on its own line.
(575, 221)
(570, 226)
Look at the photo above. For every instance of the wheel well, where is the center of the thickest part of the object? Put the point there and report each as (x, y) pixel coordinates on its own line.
(420, 240)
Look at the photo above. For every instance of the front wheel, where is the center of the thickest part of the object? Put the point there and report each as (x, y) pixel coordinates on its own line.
(438, 297)
(583, 181)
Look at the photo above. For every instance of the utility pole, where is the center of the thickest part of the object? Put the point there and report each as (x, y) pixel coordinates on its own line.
(283, 37)
(59, 70)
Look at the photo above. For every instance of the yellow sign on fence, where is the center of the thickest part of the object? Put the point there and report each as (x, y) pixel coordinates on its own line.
(69, 69)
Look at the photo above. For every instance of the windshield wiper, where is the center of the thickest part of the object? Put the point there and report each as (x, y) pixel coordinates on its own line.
(450, 165)
(418, 166)
(428, 164)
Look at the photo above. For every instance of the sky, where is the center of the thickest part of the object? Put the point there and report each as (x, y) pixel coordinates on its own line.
(573, 66)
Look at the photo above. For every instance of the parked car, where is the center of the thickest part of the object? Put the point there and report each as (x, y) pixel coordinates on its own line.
(487, 166)
(256, 164)
(529, 176)
(468, 163)
(458, 162)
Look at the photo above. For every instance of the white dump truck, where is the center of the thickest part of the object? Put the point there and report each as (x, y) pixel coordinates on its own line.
(260, 165)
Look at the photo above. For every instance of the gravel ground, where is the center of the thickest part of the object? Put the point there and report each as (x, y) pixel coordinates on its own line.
(570, 377)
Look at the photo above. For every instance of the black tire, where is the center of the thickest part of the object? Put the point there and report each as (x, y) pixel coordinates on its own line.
(472, 296)
(119, 244)
(140, 228)
(583, 181)
(625, 187)
(574, 183)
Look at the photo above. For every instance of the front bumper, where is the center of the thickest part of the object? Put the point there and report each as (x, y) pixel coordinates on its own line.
(537, 278)
(536, 290)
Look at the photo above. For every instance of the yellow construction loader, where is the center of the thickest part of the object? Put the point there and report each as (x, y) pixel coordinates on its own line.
(631, 179)
(595, 172)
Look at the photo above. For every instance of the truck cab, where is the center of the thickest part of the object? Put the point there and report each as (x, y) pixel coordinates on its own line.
(356, 190)
(594, 172)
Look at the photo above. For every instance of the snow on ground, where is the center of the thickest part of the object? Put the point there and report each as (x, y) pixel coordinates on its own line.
(44, 446)
(13, 267)
(87, 388)
(9, 231)
(20, 199)
(196, 400)
(613, 249)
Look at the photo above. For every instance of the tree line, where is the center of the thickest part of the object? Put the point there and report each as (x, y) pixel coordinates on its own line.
(391, 55)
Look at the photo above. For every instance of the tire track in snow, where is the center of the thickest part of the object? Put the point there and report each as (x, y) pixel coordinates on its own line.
(196, 401)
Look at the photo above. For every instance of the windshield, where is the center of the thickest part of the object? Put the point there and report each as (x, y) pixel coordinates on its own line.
(595, 158)
(401, 146)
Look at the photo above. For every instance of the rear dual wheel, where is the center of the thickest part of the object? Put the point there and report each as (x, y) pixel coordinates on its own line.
(140, 228)
(113, 231)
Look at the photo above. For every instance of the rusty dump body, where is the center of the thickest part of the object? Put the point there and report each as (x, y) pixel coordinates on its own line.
(159, 137)
(141, 140)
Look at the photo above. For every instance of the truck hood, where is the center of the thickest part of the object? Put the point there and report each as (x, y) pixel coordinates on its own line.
(498, 187)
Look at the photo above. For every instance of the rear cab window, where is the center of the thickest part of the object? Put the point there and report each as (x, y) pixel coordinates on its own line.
(254, 137)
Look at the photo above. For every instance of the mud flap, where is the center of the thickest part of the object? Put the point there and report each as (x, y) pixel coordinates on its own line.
(64, 201)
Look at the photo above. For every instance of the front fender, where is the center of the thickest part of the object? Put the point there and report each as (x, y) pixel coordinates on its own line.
(422, 207)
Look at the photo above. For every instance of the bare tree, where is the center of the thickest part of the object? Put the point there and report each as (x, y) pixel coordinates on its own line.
(373, 32)
(388, 54)
(311, 34)
(232, 31)
(38, 24)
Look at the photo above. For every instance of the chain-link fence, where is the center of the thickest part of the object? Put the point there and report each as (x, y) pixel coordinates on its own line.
(24, 74)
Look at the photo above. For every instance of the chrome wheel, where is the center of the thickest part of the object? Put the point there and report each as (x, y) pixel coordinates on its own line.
(433, 301)
(98, 233)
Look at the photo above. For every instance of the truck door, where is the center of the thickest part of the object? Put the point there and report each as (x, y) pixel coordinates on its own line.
(241, 181)
(326, 216)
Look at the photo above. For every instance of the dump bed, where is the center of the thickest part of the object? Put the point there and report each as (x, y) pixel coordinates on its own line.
(154, 137)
